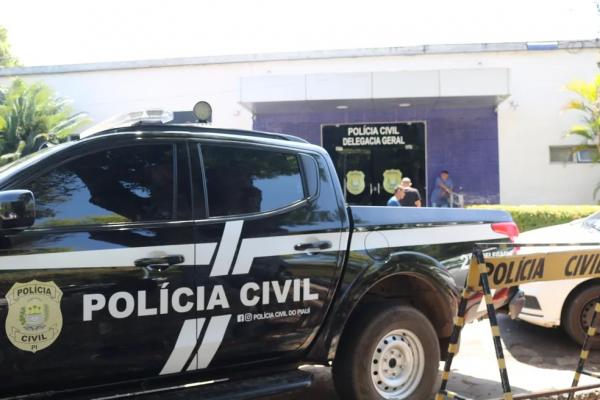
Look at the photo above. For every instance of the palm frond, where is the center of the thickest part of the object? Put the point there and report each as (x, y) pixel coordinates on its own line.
(69, 125)
(32, 112)
(581, 130)
(575, 105)
(588, 91)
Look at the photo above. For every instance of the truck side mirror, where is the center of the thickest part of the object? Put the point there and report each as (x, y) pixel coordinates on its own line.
(17, 209)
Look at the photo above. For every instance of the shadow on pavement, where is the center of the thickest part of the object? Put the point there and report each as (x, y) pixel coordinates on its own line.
(323, 389)
(543, 347)
(477, 388)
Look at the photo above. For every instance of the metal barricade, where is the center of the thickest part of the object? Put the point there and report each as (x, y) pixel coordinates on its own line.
(507, 271)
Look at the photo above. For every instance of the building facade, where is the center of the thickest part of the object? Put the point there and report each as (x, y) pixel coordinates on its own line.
(489, 114)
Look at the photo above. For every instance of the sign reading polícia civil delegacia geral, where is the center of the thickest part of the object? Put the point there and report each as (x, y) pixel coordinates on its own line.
(373, 135)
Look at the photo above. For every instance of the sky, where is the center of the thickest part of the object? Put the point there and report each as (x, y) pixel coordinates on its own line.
(86, 31)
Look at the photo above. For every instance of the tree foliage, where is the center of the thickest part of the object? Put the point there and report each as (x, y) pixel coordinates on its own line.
(588, 105)
(32, 115)
(6, 58)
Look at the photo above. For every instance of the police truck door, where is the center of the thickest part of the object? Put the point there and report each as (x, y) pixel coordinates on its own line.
(276, 220)
(99, 288)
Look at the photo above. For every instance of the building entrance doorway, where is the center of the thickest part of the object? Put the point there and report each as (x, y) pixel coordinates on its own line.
(371, 159)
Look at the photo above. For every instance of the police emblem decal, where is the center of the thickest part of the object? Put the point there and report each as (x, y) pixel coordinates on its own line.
(391, 179)
(355, 182)
(34, 318)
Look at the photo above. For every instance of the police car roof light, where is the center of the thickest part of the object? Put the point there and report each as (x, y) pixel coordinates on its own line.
(203, 112)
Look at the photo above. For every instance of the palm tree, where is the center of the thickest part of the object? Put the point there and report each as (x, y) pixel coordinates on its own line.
(6, 58)
(588, 103)
(31, 116)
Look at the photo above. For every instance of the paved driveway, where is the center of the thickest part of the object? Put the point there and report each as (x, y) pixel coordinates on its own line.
(537, 359)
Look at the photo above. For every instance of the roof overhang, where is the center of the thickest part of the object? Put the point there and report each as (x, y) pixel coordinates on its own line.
(426, 49)
(449, 88)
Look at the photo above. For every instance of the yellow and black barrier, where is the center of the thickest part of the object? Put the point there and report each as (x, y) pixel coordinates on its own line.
(513, 270)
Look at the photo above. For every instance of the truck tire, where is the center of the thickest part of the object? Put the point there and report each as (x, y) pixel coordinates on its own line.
(577, 315)
(390, 351)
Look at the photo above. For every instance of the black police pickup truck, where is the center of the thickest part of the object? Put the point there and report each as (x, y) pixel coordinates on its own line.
(154, 259)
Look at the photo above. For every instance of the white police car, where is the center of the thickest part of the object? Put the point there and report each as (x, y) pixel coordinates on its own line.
(565, 303)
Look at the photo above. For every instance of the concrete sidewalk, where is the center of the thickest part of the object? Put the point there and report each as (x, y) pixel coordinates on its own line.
(536, 358)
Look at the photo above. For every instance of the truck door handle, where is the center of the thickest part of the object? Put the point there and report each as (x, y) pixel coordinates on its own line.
(159, 263)
(319, 244)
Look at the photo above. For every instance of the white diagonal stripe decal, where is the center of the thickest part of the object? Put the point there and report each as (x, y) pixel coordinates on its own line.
(194, 364)
(186, 341)
(204, 253)
(229, 242)
(212, 340)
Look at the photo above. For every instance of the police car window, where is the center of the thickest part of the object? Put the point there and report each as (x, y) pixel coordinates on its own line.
(126, 184)
(249, 180)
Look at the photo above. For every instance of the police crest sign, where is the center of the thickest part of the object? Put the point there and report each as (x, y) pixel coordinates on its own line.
(34, 318)
(391, 179)
(355, 182)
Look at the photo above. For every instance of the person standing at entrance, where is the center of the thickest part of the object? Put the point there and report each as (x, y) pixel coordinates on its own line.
(412, 197)
(395, 200)
(440, 196)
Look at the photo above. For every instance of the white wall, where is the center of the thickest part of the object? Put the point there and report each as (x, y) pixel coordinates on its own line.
(529, 120)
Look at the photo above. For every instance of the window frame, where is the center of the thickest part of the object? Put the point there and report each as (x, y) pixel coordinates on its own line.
(307, 197)
(574, 154)
(26, 178)
(581, 160)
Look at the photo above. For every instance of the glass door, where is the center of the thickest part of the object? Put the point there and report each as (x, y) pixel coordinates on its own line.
(371, 159)
(354, 171)
(390, 165)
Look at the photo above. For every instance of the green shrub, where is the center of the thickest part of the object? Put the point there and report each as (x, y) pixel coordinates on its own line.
(532, 217)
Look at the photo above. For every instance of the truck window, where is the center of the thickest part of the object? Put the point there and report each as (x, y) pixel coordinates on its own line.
(243, 180)
(126, 184)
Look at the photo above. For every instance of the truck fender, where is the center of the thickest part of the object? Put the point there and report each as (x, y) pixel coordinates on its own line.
(410, 275)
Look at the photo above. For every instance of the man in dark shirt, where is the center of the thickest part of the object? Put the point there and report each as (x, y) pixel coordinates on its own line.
(412, 198)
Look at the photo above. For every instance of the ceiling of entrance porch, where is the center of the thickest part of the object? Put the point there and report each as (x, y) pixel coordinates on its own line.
(449, 88)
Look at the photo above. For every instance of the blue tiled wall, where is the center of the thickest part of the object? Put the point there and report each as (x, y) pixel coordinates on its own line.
(462, 140)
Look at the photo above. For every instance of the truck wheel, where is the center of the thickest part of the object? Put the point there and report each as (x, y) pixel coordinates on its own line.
(390, 351)
(578, 315)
